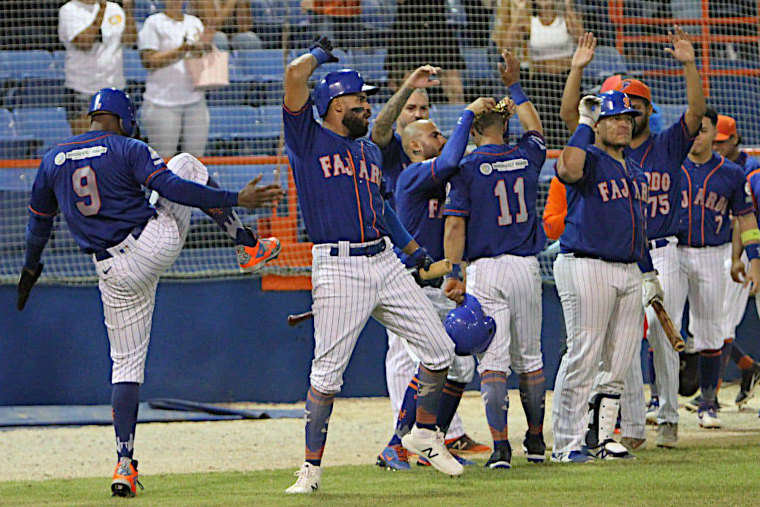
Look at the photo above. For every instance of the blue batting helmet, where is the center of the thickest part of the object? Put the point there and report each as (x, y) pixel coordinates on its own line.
(335, 84)
(115, 101)
(470, 330)
(615, 103)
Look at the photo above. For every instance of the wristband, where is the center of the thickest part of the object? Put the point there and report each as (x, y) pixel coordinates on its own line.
(517, 94)
(750, 235)
(753, 251)
(321, 55)
(456, 272)
(582, 137)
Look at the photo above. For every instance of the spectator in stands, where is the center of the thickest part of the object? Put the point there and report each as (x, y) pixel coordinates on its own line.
(232, 23)
(551, 30)
(174, 112)
(480, 16)
(420, 36)
(93, 31)
(340, 18)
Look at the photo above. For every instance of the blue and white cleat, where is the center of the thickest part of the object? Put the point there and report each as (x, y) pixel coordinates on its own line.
(571, 457)
(422, 462)
(394, 457)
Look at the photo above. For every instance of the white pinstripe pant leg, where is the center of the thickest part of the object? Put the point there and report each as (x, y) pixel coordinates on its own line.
(190, 168)
(399, 369)
(127, 284)
(588, 290)
(707, 288)
(633, 412)
(735, 302)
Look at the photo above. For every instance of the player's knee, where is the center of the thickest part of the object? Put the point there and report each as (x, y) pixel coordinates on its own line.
(462, 369)
(528, 364)
(325, 384)
(188, 167)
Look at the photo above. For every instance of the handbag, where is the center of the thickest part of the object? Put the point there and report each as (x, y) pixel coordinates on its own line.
(212, 70)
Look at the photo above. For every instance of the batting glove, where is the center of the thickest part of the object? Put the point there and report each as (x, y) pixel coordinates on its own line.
(652, 289)
(589, 110)
(25, 283)
(321, 48)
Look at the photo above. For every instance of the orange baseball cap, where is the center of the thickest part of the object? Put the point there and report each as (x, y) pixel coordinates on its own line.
(726, 127)
(635, 88)
(611, 83)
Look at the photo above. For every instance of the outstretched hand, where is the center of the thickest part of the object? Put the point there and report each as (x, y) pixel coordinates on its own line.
(253, 196)
(424, 77)
(482, 105)
(682, 49)
(585, 51)
(509, 68)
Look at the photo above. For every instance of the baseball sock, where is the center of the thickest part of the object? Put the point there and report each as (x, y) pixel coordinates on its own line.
(125, 399)
(407, 416)
(709, 371)
(429, 396)
(493, 389)
(741, 358)
(318, 409)
(229, 221)
(533, 398)
(450, 398)
(652, 376)
(725, 357)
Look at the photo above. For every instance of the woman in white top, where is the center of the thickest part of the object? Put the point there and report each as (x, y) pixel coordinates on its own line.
(174, 113)
(92, 31)
(552, 30)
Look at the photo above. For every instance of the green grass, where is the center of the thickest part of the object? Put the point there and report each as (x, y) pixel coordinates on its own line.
(692, 476)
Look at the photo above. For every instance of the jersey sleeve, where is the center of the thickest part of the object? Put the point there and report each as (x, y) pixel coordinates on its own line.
(533, 145)
(43, 202)
(753, 179)
(70, 24)
(148, 38)
(145, 162)
(300, 127)
(392, 152)
(741, 197)
(589, 172)
(555, 210)
(677, 140)
(417, 179)
(458, 196)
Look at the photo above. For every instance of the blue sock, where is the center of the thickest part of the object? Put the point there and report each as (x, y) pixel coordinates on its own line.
(407, 416)
(709, 374)
(318, 409)
(125, 400)
(652, 373)
(493, 389)
(228, 220)
(450, 398)
(725, 357)
(533, 398)
(429, 396)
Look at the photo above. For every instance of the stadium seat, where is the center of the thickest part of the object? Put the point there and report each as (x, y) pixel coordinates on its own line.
(59, 59)
(667, 89)
(480, 72)
(144, 8)
(230, 129)
(370, 64)
(234, 94)
(345, 62)
(46, 123)
(669, 113)
(258, 65)
(607, 61)
(446, 116)
(738, 97)
(133, 68)
(378, 15)
(35, 63)
(12, 144)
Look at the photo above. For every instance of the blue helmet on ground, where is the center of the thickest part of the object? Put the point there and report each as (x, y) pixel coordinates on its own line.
(115, 101)
(335, 84)
(470, 329)
(615, 103)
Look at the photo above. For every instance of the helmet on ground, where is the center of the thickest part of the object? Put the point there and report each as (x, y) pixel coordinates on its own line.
(615, 103)
(115, 101)
(335, 84)
(467, 326)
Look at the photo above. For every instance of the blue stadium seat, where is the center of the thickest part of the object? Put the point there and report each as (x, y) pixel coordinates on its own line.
(35, 63)
(13, 144)
(344, 63)
(37, 92)
(607, 61)
(446, 116)
(230, 129)
(46, 123)
(667, 89)
(133, 67)
(59, 59)
(235, 94)
(370, 64)
(669, 114)
(738, 97)
(258, 65)
(144, 8)
(378, 15)
(268, 122)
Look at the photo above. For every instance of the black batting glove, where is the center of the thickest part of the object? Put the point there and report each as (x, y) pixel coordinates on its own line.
(25, 283)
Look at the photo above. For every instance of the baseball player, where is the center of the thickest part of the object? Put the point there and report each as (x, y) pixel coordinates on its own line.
(420, 191)
(96, 180)
(726, 143)
(660, 155)
(355, 273)
(410, 103)
(491, 215)
(713, 186)
(598, 281)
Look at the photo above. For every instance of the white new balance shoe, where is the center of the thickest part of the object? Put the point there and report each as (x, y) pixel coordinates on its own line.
(308, 479)
(430, 445)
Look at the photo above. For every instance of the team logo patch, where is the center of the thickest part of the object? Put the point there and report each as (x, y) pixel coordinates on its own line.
(155, 156)
(60, 159)
(486, 169)
(115, 19)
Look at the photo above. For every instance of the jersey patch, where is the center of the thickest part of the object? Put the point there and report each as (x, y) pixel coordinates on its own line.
(503, 166)
(83, 153)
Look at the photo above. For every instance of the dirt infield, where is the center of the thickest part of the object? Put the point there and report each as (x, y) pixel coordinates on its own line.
(359, 429)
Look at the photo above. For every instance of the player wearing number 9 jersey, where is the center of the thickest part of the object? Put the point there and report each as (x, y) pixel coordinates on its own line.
(97, 180)
(491, 221)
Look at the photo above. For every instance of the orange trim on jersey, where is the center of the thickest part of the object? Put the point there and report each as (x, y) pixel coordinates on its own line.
(496, 154)
(295, 113)
(646, 154)
(432, 169)
(150, 176)
(688, 204)
(371, 200)
(87, 140)
(751, 191)
(704, 195)
(358, 201)
(449, 210)
(40, 213)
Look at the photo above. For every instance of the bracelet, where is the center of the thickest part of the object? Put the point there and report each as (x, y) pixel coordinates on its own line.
(752, 234)
(456, 272)
(753, 251)
(517, 94)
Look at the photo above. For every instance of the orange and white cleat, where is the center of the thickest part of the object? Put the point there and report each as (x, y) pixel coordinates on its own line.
(125, 481)
(253, 258)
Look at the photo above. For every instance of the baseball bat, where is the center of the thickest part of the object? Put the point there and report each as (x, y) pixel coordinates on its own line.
(674, 337)
(436, 270)
(294, 320)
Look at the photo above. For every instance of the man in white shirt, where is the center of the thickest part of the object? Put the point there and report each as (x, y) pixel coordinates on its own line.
(92, 31)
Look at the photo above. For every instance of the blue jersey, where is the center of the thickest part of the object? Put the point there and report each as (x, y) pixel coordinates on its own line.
(95, 178)
(747, 163)
(661, 157)
(709, 191)
(497, 188)
(338, 180)
(394, 161)
(605, 210)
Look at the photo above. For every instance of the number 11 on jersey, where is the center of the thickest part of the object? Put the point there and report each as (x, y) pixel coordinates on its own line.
(500, 191)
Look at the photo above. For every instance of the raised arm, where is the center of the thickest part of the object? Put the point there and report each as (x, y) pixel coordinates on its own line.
(299, 70)
(129, 37)
(87, 38)
(573, 157)
(571, 95)
(510, 76)
(423, 77)
(683, 51)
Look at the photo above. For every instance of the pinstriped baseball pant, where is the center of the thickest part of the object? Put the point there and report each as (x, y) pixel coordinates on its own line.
(128, 280)
(348, 290)
(603, 318)
(735, 302)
